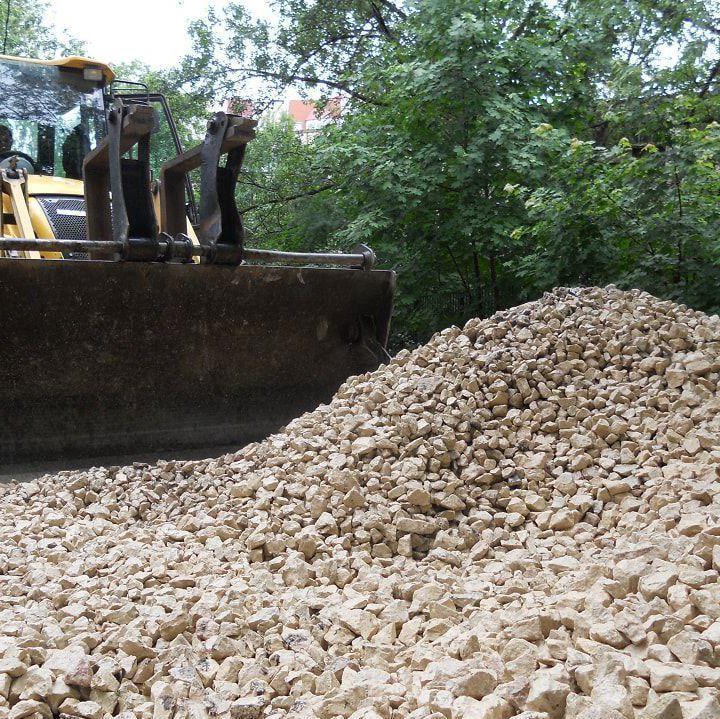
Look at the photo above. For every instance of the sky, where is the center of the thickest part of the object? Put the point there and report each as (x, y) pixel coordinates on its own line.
(154, 31)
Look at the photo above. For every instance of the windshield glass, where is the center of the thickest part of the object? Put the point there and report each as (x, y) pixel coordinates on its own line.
(50, 115)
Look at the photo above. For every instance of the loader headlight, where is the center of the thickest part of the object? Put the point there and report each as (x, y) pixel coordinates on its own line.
(93, 73)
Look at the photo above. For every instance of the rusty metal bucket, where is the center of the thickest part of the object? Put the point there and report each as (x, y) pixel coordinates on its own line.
(122, 357)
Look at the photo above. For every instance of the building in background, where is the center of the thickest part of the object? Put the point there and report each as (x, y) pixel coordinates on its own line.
(307, 117)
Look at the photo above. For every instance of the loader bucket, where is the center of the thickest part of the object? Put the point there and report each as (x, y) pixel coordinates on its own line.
(102, 358)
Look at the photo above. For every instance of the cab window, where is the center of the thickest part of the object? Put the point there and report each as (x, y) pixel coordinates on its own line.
(49, 116)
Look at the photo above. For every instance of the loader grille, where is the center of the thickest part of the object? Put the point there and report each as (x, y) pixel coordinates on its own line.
(66, 216)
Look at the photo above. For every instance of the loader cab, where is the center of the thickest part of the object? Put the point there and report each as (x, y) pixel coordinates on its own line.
(51, 115)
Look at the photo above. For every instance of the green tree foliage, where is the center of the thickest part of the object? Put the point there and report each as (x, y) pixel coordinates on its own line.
(425, 172)
(646, 218)
(489, 149)
(283, 205)
(330, 45)
(31, 34)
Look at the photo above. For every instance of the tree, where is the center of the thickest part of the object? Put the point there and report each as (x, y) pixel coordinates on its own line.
(423, 174)
(647, 219)
(490, 149)
(27, 33)
(283, 193)
(329, 45)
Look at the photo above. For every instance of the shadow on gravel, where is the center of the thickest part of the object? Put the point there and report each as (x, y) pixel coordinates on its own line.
(32, 470)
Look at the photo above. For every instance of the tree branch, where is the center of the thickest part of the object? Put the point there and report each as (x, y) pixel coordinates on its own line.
(290, 198)
(311, 80)
(468, 290)
(711, 27)
(329, 42)
(394, 8)
(384, 29)
(532, 11)
(636, 37)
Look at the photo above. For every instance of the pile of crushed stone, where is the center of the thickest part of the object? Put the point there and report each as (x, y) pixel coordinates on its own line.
(519, 519)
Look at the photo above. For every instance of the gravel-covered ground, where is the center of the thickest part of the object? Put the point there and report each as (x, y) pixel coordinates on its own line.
(520, 519)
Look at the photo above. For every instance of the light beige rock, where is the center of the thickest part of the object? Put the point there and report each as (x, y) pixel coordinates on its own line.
(475, 682)
(655, 583)
(707, 708)
(491, 707)
(12, 666)
(84, 709)
(547, 695)
(671, 677)
(30, 708)
(34, 684)
(248, 708)
(662, 708)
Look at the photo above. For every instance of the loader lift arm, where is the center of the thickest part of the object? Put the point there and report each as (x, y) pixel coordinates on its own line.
(121, 224)
(220, 230)
(13, 182)
(118, 203)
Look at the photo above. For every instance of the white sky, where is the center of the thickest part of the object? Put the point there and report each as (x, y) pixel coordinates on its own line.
(154, 31)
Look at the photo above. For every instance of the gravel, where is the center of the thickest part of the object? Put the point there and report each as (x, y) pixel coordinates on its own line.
(519, 519)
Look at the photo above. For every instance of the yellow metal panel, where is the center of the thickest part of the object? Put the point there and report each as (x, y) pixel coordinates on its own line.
(46, 185)
(38, 223)
(8, 229)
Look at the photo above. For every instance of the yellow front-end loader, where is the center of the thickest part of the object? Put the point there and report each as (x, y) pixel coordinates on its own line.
(132, 318)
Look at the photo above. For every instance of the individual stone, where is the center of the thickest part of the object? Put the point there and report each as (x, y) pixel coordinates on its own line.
(656, 583)
(476, 683)
(30, 708)
(706, 708)
(84, 709)
(671, 677)
(34, 684)
(248, 708)
(662, 708)
(416, 526)
(491, 707)
(12, 666)
(547, 695)
(564, 519)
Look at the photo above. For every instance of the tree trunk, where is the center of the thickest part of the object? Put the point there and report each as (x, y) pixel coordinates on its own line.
(492, 261)
(478, 280)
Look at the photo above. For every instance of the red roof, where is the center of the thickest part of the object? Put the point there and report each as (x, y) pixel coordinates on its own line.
(302, 111)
